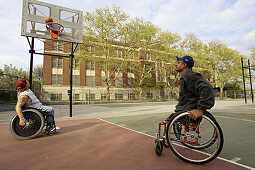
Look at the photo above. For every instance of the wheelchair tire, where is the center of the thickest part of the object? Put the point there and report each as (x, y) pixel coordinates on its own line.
(34, 126)
(209, 144)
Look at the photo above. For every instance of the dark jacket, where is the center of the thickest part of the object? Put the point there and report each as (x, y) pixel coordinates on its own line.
(195, 92)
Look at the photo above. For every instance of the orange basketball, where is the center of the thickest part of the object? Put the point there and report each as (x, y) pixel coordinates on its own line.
(48, 19)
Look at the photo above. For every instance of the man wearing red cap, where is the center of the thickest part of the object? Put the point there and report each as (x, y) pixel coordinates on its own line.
(27, 99)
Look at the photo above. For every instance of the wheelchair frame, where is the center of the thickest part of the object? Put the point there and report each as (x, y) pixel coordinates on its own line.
(163, 137)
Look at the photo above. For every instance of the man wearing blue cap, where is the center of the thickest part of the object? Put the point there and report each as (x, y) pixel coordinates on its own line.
(196, 94)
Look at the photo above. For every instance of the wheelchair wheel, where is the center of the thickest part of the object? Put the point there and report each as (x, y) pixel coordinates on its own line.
(195, 142)
(33, 127)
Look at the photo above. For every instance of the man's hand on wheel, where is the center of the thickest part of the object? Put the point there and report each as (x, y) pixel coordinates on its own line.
(195, 114)
(22, 122)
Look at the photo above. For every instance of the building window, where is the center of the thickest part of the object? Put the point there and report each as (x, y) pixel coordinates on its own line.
(130, 55)
(131, 96)
(119, 96)
(57, 46)
(103, 96)
(91, 50)
(149, 95)
(119, 82)
(76, 80)
(56, 79)
(76, 96)
(148, 56)
(130, 69)
(90, 96)
(56, 97)
(148, 69)
(119, 53)
(90, 81)
(57, 62)
(160, 71)
(131, 82)
(75, 64)
(159, 76)
(103, 84)
(90, 65)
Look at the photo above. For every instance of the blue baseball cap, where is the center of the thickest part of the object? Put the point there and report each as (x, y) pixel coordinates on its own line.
(187, 59)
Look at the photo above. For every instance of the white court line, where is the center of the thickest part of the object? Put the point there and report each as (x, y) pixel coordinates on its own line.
(245, 166)
(234, 118)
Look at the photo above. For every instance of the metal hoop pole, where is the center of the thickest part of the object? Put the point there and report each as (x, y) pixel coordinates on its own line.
(71, 80)
(31, 61)
(249, 66)
(244, 82)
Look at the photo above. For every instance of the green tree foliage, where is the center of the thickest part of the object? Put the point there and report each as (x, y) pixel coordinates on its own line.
(103, 29)
(225, 62)
(9, 75)
(252, 58)
(38, 71)
(110, 31)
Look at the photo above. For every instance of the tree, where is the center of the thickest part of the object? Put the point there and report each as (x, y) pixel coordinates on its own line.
(252, 54)
(102, 30)
(9, 75)
(141, 35)
(252, 58)
(194, 47)
(226, 64)
(38, 71)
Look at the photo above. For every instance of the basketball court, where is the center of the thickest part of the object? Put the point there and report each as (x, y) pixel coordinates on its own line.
(114, 142)
(92, 144)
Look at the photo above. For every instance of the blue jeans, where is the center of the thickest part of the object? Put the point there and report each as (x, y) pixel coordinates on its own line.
(50, 118)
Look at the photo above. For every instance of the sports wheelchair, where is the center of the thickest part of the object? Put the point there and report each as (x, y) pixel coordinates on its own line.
(196, 142)
(35, 122)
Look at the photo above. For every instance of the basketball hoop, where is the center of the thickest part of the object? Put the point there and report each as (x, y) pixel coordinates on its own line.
(55, 29)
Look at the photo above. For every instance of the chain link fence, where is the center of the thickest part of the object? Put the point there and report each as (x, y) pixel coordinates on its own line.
(98, 95)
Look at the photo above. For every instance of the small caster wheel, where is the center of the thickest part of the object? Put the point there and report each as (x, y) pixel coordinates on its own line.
(159, 148)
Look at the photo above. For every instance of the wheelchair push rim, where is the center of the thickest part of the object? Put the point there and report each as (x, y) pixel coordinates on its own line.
(34, 126)
(192, 143)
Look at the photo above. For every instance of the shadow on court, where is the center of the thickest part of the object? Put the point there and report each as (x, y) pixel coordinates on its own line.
(92, 144)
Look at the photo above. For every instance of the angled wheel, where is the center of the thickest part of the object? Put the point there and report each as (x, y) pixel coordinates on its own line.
(33, 127)
(195, 142)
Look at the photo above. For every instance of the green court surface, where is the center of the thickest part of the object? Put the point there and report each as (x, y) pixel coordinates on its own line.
(239, 134)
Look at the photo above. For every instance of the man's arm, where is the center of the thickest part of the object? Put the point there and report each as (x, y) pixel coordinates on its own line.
(21, 102)
(206, 98)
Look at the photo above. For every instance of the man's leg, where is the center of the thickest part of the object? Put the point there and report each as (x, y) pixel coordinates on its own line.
(171, 116)
(50, 118)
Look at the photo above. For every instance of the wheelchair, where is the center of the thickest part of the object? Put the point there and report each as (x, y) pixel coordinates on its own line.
(196, 142)
(35, 122)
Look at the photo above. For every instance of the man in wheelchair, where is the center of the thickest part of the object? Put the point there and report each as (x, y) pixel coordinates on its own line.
(27, 99)
(196, 94)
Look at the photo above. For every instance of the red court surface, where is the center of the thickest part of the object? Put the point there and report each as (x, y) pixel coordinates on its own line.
(92, 144)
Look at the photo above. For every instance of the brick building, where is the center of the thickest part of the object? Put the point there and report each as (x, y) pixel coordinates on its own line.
(87, 76)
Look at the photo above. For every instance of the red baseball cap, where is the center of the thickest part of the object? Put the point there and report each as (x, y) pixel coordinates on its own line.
(21, 84)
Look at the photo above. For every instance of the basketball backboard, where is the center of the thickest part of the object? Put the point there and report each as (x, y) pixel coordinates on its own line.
(33, 21)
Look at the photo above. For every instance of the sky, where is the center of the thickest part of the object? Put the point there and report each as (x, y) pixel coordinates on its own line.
(229, 21)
